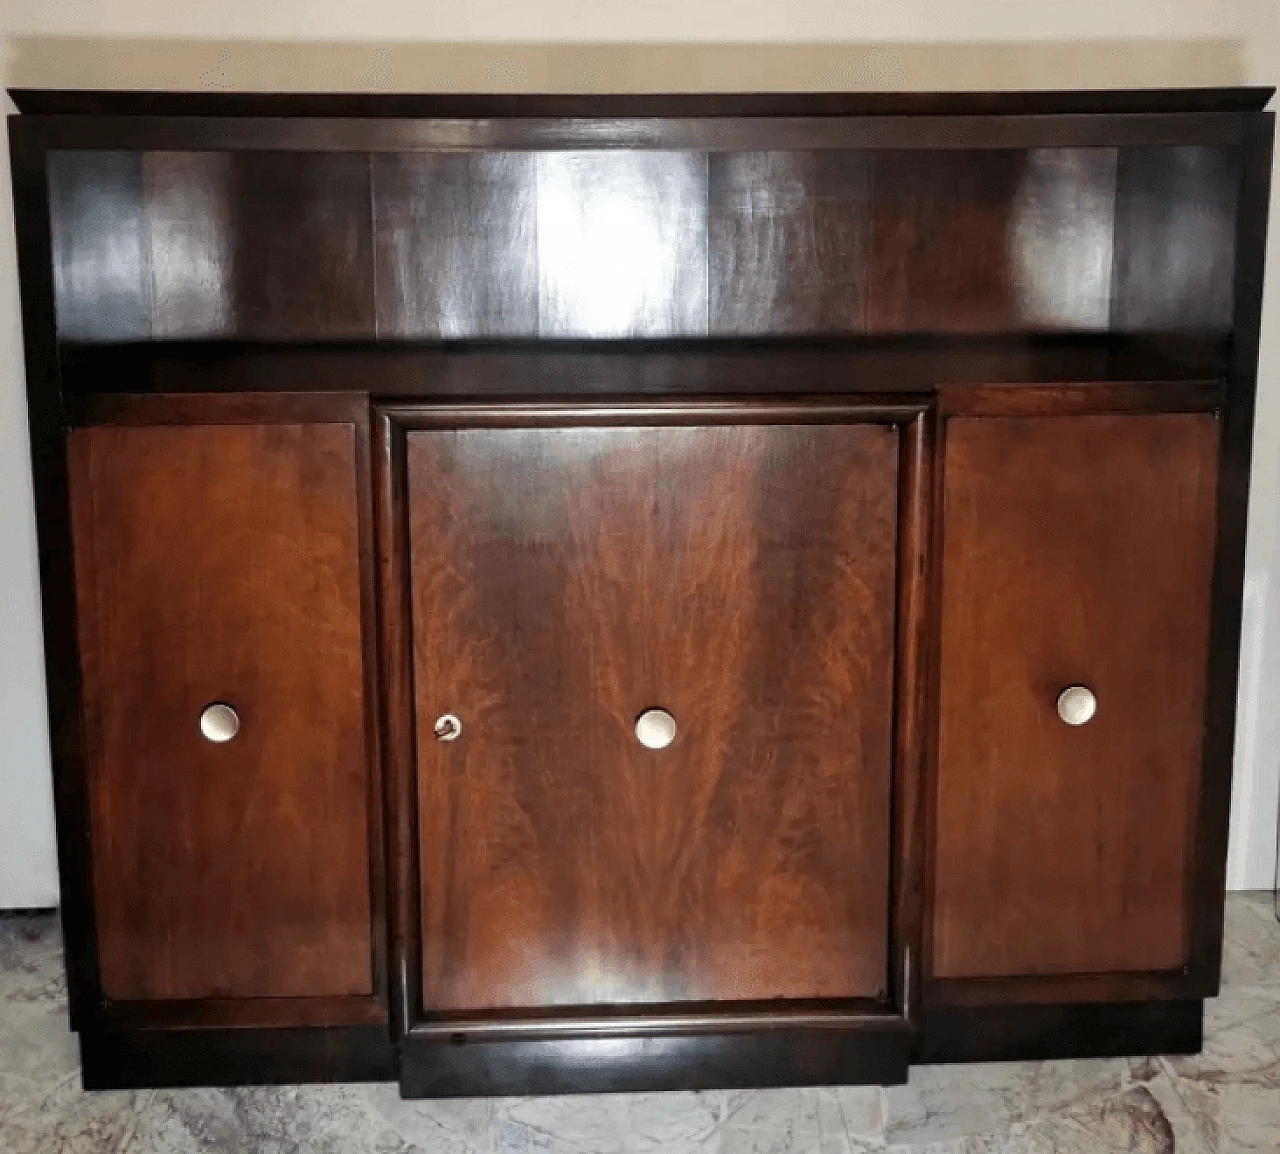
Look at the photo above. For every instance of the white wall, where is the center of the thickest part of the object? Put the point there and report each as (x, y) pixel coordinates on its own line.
(28, 875)
(1251, 863)
(585, 45)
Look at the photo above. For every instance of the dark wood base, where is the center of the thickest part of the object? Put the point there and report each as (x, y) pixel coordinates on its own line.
(441, 1069)
(235, 1057)
(446, 1068)
(1024, 1033)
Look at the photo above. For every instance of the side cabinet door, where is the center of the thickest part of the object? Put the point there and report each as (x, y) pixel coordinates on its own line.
(565, 581)
(219, 564)
(1078, 552)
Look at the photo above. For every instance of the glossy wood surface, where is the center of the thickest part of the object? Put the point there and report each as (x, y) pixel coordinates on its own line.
(100, 259)
(703, 1061)
(263, 246)
(1077, 550)
(789, 233)
(1186, 240)
(565, 580)
(457, 239)
(622, 244)
(637, 243)
(991, 241)
(219, 563)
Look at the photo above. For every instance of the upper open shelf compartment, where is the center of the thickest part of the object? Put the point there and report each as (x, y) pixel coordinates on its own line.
(297, 246)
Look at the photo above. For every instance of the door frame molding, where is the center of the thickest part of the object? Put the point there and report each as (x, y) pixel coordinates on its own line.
(819, 1040)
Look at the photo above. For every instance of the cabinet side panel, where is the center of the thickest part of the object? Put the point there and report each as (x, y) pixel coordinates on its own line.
(1078, 551)
(220, 564)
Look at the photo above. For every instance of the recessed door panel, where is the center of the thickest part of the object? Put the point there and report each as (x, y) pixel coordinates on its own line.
(654, 695)
(217, 572)
(1076, 577)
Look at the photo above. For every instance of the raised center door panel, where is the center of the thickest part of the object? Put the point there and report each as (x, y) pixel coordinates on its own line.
(564, 580)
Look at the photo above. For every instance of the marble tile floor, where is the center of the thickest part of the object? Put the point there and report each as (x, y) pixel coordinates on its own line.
(1224, 1100)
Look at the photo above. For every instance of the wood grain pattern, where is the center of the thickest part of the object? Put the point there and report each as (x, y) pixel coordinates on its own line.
(788, 237)
(1175, 238)
(1078, 550)
(220, 563)
(938, 257)
(301, 244)
(259, 246)
(191, 233)
(456, 244)
(622, 244)
(564, 580)
(991, 241)
(1060, 244)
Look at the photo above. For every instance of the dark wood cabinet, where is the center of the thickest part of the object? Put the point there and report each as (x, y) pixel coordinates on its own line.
(562, 594)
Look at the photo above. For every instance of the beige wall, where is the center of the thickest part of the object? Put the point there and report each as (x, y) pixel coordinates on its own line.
(621, 45)
(626, 21)
(461, 67)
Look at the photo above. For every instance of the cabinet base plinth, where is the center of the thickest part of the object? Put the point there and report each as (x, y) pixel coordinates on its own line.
(447, 1068)
(441, 1069)
(1012, 1033)
(112, 1060)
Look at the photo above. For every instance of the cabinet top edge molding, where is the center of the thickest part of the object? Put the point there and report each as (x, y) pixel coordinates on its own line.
(85, 102)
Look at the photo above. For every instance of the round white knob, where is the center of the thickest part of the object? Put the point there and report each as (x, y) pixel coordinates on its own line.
(219, 722)
(1077, 705)
(655, 729)
(448, 727)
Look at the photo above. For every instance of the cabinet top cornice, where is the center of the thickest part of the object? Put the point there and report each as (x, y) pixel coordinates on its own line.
(452, 105)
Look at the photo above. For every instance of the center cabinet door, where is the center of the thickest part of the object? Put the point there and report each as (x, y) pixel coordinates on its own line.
(564, 581)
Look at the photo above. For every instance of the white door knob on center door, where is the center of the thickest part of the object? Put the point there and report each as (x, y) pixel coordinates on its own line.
(1077, 704)
(655, 729)
(219, 722)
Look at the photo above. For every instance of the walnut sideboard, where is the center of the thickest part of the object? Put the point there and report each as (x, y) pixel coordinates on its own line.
(554, 594)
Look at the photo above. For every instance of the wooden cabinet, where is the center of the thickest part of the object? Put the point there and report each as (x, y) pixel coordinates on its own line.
(568, 594)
